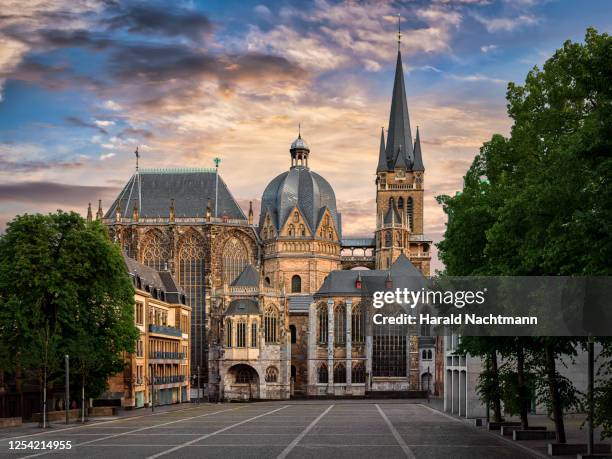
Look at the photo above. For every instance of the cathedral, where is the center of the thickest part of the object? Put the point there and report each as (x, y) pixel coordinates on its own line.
(280, 306)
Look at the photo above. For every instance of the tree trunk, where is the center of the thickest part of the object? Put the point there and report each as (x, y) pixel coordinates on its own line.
(520, 373)
(497, 417)
(555, 399)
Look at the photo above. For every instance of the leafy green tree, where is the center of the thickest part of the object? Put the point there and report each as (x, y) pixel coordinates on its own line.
(63, 289)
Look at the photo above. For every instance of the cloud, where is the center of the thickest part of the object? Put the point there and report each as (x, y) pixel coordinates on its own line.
(78, 122)
(478, 78)
(106, 156)
(151, 20)
(11, 162)
(53, 193)
(488, 48)
(507, 24)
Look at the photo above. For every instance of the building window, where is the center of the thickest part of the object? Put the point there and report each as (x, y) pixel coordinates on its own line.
(235, 258)
(244, 376)
(241, 330)
(267, 281)
(291, 230)
(400, 203)
(155, 251)
(340, 373)
(340, 325)
(322, 321)
(425, 330)
(293, 332)
(322, 374)
(228, 333)
(357, 335)
(296, 284)
(358, 373)
(254, 334)
(139, 314)
(389, 351)
(426, 354)
(388, 239)
(271, 375)
(302, 230)
(391, 203)
(409, 210)
(271, 325)
(139, 348)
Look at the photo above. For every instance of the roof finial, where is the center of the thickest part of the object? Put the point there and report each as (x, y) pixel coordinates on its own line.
(137, 156)
(399, 31)
(299, 130)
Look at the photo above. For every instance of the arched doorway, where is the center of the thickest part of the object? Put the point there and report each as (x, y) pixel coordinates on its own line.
(241, 383)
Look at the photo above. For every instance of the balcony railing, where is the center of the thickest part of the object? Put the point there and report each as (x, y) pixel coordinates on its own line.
(165, 330)
(168, 379)
(168, 355)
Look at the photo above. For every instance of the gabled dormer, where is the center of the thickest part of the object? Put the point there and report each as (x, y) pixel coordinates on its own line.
(267, 230)
(295, 225)
(326, 229)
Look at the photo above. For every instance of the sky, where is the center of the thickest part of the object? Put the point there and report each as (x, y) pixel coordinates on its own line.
(83, 82)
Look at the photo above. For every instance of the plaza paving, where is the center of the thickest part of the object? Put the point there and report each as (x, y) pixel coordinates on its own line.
(310, 429)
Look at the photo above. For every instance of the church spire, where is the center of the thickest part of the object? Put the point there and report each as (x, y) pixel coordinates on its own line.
(382, 156)
(418, 157)
(399, 138)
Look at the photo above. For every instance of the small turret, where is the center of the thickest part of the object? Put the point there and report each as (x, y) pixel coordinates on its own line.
(89, 215)
(99, 214)
(172, 210)
(135, 211)
(250, 212)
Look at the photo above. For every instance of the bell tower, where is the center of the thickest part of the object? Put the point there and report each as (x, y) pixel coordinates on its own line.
(399, 186)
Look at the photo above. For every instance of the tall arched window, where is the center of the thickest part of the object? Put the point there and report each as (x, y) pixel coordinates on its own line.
(271, 325)
(358, 373)
(391, 202)
(271, 375)
(357, 332)
(322, 375)
(340, 373)
(291, 230)
(340, 325)
(155, 251)
(400, 203)
(409, 209)
(388, 239)
(228, 333)
(293, 332)
(322, 324)
(296, 284)
(241, 332)
(254, 334)
(235, 258)
(191, 279)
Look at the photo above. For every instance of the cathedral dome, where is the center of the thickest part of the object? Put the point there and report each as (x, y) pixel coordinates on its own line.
(299, 143)
(299, 187)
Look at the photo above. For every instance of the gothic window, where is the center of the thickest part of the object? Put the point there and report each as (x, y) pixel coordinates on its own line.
(293, 332)
(296, 284)
(291, 230)
(191, 279)
(254, 334)
(296, 217)
(235, 258)
(389, 351)
(409, 210)
(302, 230)
(155, 251)
(357, 334)
(267, 281)
(322, 322)
(388, 239)
(425, 330)
(400, 203)
(271, 375)
(340, 373)
(331, 233)
(244, 376)
(391, 203)
(271, 325)
(228, 333)
(241, 331)
(398, 236)
(358, 373)
(322, 376)
(340, 325)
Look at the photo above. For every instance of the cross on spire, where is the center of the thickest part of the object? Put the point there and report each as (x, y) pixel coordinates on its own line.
(137, 157)
(399, 30)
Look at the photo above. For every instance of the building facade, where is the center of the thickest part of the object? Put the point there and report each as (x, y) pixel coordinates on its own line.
(159, 371)
(276, 311)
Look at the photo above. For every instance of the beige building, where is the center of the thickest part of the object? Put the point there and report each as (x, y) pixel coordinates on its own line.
(160, 364)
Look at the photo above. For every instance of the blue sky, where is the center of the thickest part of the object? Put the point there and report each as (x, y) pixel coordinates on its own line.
(84, 82)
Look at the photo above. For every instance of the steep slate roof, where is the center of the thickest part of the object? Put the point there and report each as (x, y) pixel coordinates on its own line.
(152, 190)
(418, 156)
(382, 155)
(242, 306)
(249, 277)
(392, 216)
(300, 303)
(161, 280)
(399, 138)
(403, 274)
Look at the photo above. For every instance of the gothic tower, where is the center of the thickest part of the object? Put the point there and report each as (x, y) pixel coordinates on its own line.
(399, 187)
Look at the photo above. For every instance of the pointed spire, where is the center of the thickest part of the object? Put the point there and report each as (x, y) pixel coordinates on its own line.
(172, 210)
(417, 165)
(382, 157)
(250, 212)
(399, 138)
(99, 213)
(89, 215)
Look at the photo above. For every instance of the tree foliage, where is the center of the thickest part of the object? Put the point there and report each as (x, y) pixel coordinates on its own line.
(64, 289)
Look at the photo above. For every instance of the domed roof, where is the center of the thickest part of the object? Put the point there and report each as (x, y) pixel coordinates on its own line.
(300, 187)
(299, 143)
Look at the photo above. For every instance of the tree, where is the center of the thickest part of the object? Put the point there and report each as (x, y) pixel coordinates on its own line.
(63, 289)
